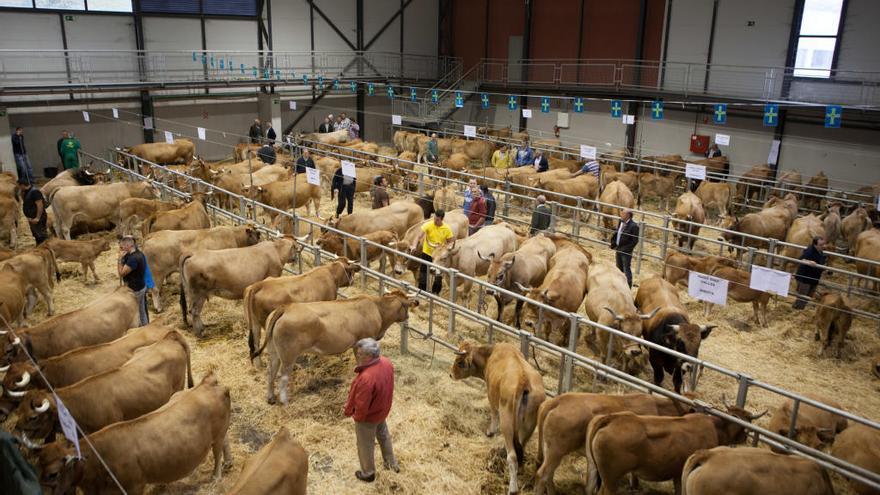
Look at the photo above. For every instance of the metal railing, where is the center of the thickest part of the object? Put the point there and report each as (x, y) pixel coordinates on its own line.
(849, 88)
(569, 358)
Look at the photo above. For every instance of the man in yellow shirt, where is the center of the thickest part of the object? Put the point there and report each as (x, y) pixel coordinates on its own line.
(435, 233)
(502, 158)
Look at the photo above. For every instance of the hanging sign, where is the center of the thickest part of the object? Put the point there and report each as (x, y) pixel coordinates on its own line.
(769, 280)
(348, 169)
(694, 171)
(313, 176)
(470, 131)
(707, 288)
(588, 152)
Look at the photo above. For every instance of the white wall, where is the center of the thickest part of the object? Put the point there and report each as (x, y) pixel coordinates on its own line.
(860, 37)
(851, 160)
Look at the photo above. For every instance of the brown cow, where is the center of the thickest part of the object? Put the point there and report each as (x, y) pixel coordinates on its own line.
(241, 151)
(833, 320)
(615, 194)
(94, 203)
(326, 327)
(318, 284)
(584, 186)
(688, 207)
(669, 327)
(172, 442)
(515, 392)
(193, 216)
(227, 272)
(790, 180)
(282, 466)
(445, 198)
(13, 298)
(653, 448)
(630, 178)
(831, 223)
(5, 254)
(653, 185)
(718, 195)
(182, 150)
(610, 302)
(351, 246)
(858, 445)
(677, 265)
(563, 421)
(143, 384)
(801, 233)
(164, 249)
(867, 247)
(81, 176)
(772, 222)
(457, 162)
(457, 222)
(83, 252)
(38, 267)
(752, 182)
(474, 150)
(749, 470)
(816, 188)
(527, 266)
(564, 288)
(814, 428)
(133, 209)
(396, 217)
(9, 213)
(854, 224)
(279, 195)
(738, 290)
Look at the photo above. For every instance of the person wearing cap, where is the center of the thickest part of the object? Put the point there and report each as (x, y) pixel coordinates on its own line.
(34, 206)
(435, 233)
(132, 267)
(624, 241)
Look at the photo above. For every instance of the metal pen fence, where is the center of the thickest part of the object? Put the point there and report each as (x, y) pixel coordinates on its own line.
(568, 356)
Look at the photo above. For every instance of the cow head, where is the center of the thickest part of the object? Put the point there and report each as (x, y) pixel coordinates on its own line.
(13, 349)
(499, 270)
(252, 235)
(401, 263)
(331, 242)
(686, 338)
(60, 469)
(630, 323)
(804, 432)
(731, 223)
(405, 300)
(19, 379)
(348, 271)
(733, 433)
(37, 415)
(444, 255)
(469, 361)
(534, 319)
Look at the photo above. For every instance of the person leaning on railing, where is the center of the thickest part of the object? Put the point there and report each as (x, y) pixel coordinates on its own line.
(810, 271)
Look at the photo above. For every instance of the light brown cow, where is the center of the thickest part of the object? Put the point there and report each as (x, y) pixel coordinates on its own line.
(564, 288)
(816, 188)
(143, 384)
(457, 222)
(81, 176)
(475, 150)
(716, 165)
(563, 421)
(738, 290)
(326, 327)
(9, 214)
(38, 267)
(753, 182)
(771, 222)
(83, 252)
(801, 233)
(132, 210)
(630, 178)
(209, 170)
(13, 299)
(318, 284)
(833, 320)
(615, 195)
(831, 223)
(5, 254)
(444, 147)
(583, 186)
(227, 272)
(445, 198)
(457, 162)
(688, 207)
(500, 132)
(867, 247)
(279, 195)
(859, 445)
(854, 224)
(164, 249)
(677, 265)
(653, 448)
(749, 470)
(351, 246)
(396, 217)
(241, 151)
(182, 150)
(172, 442)
(718, 195)
(790, 180)
(570, 165)
(814, 428)
(653, 185)
(282, 466)
(193, 216)
(527, 266)
(332, 138)
(399, 140)
(610, 302)
(515, 393)
(94, 203)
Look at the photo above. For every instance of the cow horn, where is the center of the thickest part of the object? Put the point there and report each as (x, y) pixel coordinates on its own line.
(724, 401)
(485, 258)
(650, 315)
(25, 379)
(4, 369)
(521, 287)
(16, 394)
(753, 417)
(460, 353)
(16, 341)
(4, 332)
(43, 407)
(675, 327)
(302, 240)
(616, 316)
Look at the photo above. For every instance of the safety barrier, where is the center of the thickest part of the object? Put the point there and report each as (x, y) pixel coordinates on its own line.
(568, 356)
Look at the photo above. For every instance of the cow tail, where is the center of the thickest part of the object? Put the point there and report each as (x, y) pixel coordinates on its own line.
(147, 224)
(270, 330)
(543, 411)
(520, 407)
(593, 484)
(249, 296)
(179, 338)
(183, 287)
(52, 267)
(694, 462)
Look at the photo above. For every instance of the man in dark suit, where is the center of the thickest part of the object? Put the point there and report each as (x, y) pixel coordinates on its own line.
(623, 241)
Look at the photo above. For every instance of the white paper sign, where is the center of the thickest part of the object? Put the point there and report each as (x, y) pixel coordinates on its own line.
(470, 131)
(628, 119)
(68, 425)
(115, 113)
(348, 169)
(769, 280)
(694, 171)
(562, 120)
(707, 288)
(527, 113)
(313, 176)
(396, 120)
(774, 152)
(201, 133)
(148, 123)
(169, 138)
(86, 116)
(588, 152)
(722, 139)
(292, 104)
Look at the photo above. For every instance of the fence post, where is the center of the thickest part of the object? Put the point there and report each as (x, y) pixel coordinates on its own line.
(524, 338)
(506, 208)
(567, 363)
(742, 391)
(663, 247)
(792, 427)
(771, 251)
(242, 207)
(404, 336)
(576, 220)
(420, 187)
(490, 333)
(641, 246)
(751, 258)
(364, 263)
(450, 329)
(554, 212)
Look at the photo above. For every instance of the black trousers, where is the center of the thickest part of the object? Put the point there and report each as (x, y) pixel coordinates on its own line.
(39, 232)
(804, 294)
(423, 275)
(623, 261)
(346, 199)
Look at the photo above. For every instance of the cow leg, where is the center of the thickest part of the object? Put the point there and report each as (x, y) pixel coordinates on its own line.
(157, 295)
(271, 372)
(219, 449)
(31, 302)
(285, 379)
(195, 314)
(94, 273)
(677, 379)
(509, 433)
(85, 270)
(518, 313)
(657, 367)
(493, 423)
(544, 474)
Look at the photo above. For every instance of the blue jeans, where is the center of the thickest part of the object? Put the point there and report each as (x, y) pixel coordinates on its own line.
(23, 164)
(623, 261)
(142, 306)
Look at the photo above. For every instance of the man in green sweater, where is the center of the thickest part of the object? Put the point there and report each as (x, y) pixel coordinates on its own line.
(68, 149)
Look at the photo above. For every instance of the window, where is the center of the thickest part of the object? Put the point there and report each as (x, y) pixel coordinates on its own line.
(817, 42)
(61, 4)
(88, 5)
(16, 3)
(110, 5)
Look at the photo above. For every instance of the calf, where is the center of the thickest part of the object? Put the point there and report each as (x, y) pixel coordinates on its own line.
(396, 217)
(718, 195)
(318, 284)
(83, 252)
(653, 448)
(814, 427)
(801, 233)
(867, 247)
(9, 209)
(13, 301)
(193, 216)
(616, 195)
(738, 290)
(37, 266)
(854, 224)
(833, 320)
(282, 466)
(653, 185)
(227, 272)
(563, 421)
(748, 470)
(527, 266)
(350, 247)
(858, 445)
(688, 207)
(515, 393)
(134, 209)
(831, 222)
(669, 327)
(171, 444)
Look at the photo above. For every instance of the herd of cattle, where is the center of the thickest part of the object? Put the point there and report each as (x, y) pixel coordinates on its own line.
(134, 386)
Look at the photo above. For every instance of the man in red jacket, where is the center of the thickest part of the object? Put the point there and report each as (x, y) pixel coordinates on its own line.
(369, 402)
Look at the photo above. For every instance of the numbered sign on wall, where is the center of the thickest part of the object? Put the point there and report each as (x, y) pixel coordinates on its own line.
(396, 120)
